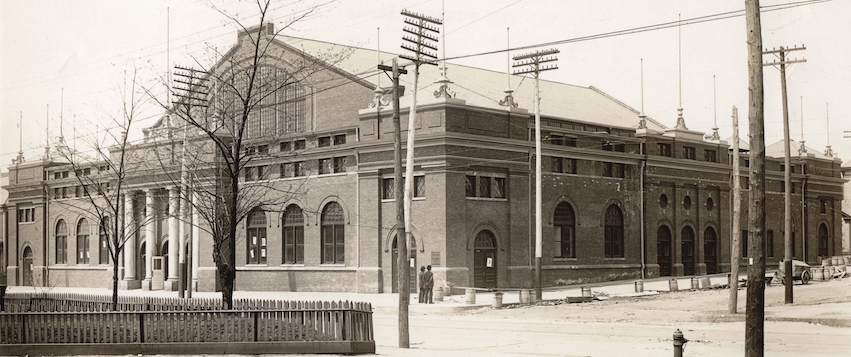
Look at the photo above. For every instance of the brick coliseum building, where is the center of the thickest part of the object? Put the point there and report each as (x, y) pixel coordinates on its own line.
(619, 200)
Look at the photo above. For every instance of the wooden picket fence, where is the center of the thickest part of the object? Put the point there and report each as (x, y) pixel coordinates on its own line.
(59, 302)
(162, 325)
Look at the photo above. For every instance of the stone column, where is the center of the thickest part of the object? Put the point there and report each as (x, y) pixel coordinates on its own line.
(150, 239)
(181, 251)
(131, 280)
(173, 239)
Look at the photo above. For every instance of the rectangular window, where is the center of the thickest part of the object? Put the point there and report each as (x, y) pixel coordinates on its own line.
(294, 245)
(261, 172)
(689, 152)
(611, 169)
(249, 174)
(339, 139)
(57, 192)
(470, 186)
(822, 206)
(484, 186)
(286, 146)
(569, 166)
(607, 169)
(82, 249)
(618, 170)
(298, 169)
(664, 149)
(103, 244)
(388, 189)
(556, 164)
(710, 155)
(340, 164)
(324, 141)
(26, 215)
(556, 139)
(325, 166)
(419, 186)
(57, 175)
(286, 170)
(262, 149)
(570, 141)
(499, 187)
(300, 144)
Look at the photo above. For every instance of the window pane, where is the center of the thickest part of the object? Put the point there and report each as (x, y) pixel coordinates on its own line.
(470, 186)
(484, 186)
(419, 186)
(499, 187)
(340, 164)
(388, 188)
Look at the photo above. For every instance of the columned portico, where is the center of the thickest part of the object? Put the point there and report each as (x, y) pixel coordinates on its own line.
(174, 241)
(150, 239)
(131, 280)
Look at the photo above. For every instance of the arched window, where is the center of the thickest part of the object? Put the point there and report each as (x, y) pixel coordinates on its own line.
(564, 224)
(83, 241)
(61, 242)
(614, 232)
(103, 242)
(823, 240)
(256, 237)
(293, 235)
(333, 234)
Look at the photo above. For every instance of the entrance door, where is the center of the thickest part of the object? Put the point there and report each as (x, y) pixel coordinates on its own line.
(413, 282)
(710, 251)
(484, 260)
(28, 267)
(688, 251)
(663, 251)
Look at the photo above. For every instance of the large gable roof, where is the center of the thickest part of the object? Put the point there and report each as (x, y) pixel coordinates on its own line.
(485, 88)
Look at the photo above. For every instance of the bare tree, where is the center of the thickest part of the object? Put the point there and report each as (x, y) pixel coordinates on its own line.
(101, 168)
(230, 113)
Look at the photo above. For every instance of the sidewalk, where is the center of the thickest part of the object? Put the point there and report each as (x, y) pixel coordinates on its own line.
(805, 310)
(390, 300)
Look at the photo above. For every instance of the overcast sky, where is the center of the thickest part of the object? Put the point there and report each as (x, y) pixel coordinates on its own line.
(87, 46)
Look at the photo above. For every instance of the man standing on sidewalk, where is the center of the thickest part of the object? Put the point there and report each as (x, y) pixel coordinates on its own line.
(421, 283)
(428, 285)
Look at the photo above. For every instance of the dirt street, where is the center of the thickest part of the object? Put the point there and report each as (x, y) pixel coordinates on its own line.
(818, 324)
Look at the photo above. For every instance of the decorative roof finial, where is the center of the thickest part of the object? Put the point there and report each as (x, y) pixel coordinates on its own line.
(508, 101)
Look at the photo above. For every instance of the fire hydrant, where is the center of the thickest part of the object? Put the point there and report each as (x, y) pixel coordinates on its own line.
(679, 343)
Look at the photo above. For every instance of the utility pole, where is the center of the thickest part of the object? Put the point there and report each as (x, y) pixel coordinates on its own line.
(787, 173)
(534, 61)
(735, 251)
(194, 93)
(755, 301)
(424, 32)
(401, 241)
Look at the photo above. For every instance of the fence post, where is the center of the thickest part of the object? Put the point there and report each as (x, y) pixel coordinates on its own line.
(256, 325)
(141, 327)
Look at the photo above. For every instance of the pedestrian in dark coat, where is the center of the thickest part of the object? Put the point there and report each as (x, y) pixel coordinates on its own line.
(421, 295)
(428, 285)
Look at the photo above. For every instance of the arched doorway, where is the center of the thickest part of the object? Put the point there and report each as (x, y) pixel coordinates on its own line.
(687, 251)
(663, 251)
(823, 241)
(484, 260)
(413, 272)
(28, 267)
(710, 250)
